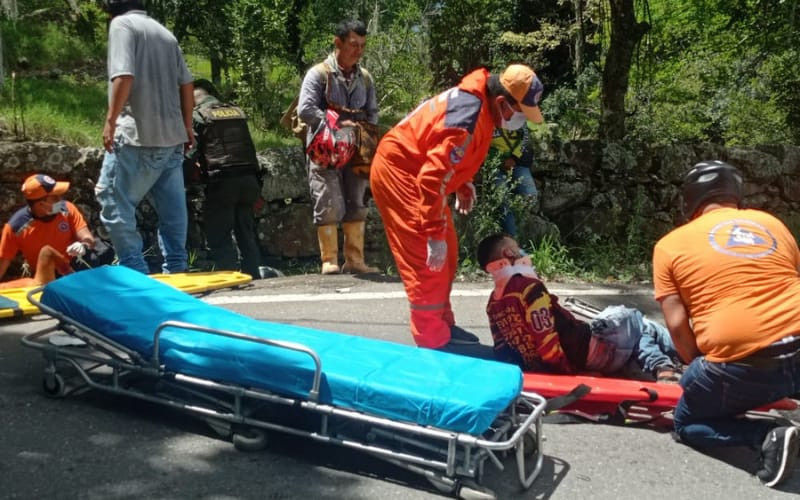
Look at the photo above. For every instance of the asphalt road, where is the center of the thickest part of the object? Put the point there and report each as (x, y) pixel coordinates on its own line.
(99, 446)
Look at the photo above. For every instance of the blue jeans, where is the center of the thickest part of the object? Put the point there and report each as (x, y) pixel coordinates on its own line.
(655, 346)
(620, 334)
(522, 184)
(130, 173)
(715, 394)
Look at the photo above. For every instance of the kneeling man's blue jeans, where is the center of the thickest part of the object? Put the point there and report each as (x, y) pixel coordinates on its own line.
(715, 394)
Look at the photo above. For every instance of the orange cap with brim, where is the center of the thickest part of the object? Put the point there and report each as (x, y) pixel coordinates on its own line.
(524, 86)
(41, 185)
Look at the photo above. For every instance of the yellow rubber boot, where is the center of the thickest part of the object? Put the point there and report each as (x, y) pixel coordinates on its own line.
(354, 249)
(328, 237)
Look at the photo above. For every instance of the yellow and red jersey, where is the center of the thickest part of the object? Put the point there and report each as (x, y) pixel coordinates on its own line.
(530, 328)
(736, 271)
(26, 234)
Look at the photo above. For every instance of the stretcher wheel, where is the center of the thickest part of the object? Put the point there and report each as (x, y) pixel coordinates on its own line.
(443, 487)
(529, 442)
(469, 490)
(53, 385)
(249, 439)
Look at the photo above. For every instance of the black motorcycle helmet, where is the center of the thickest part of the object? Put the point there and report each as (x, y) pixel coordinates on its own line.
(117, 7)
(710, 181)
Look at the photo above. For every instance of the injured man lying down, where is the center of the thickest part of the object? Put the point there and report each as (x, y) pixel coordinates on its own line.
(531, 329)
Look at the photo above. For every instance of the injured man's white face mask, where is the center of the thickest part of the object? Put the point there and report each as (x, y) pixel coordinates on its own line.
(504, 268)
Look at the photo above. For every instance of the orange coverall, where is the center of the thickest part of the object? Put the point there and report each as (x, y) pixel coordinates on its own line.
(430, 154)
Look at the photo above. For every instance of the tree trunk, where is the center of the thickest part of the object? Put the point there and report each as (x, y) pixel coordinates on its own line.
(73, 6)
(577, 6)
(216, 69)
(626, 33)
(9, 10)
(293, 34)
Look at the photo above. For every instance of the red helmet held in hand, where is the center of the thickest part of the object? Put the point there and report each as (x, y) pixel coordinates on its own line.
(331, 145)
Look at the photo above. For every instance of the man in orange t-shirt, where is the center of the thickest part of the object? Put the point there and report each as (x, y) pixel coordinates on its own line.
(434, 152)
(728, 286)
(48, 231)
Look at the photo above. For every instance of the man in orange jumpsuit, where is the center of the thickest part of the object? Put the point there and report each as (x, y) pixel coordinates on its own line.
(433, 152)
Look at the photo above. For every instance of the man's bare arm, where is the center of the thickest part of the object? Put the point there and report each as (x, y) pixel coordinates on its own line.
(85, 236)
(120, 90)
(187, 105)
(676, 318)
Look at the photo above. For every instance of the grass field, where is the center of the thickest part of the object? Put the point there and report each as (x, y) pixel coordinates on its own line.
(62, 109)
(70, 110)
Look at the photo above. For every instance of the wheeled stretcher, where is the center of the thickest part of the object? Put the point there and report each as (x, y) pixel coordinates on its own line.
(440, 415)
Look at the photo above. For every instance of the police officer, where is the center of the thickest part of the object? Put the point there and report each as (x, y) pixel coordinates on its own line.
(226, 157)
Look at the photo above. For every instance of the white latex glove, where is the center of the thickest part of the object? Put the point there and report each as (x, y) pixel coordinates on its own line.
(466, 198)
(437, 254)
(77, 249)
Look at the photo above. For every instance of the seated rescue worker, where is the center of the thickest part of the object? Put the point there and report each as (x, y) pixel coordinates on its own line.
(531, 329)
(49, 231)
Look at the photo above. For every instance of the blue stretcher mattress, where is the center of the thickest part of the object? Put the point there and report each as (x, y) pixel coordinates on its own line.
(386, 379)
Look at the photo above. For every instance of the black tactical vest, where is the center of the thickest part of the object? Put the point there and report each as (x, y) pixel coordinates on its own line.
(226, 147)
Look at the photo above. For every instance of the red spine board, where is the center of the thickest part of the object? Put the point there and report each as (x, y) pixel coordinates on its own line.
(607, 393)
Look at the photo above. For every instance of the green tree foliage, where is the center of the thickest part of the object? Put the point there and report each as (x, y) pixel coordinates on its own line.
(258, 29)
(717, 70)
(397, 56)
(464, 35)
(209, 23)
(48, 33)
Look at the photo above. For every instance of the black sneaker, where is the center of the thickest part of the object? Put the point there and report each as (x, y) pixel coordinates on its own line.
(460, 336)
(778, 454)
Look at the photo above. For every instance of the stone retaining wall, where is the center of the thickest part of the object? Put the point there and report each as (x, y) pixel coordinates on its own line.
(584, 190)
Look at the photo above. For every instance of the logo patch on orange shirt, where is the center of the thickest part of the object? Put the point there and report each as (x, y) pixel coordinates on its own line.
(742, 238)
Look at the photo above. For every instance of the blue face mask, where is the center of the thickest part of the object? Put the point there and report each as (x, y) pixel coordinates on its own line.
(58, 207)
(516, 122)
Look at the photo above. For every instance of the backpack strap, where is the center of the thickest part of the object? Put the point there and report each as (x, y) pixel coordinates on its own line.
(327, 70)
(367, 77)
(324, 70)
(558, 402)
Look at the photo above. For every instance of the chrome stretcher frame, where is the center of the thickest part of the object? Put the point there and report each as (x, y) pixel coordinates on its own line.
(451, 461)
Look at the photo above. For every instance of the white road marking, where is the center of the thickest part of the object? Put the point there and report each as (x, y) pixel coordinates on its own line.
(331, 297)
